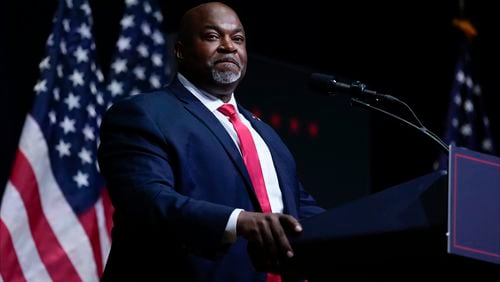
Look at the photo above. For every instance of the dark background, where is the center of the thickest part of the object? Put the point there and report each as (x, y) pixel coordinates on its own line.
(406, 49)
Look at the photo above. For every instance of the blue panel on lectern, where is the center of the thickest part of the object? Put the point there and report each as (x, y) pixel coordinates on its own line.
(474, 205)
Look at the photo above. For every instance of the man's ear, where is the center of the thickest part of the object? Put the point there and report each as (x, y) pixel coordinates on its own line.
(178, 51)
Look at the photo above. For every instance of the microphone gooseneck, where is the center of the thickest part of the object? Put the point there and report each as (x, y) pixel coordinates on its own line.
(422, 128)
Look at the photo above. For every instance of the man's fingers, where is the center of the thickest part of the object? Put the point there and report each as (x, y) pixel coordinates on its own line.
(282, 240)
(290, 222)
(267, 231)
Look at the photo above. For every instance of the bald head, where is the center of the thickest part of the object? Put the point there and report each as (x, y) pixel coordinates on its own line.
(211, 48)
(210, 10)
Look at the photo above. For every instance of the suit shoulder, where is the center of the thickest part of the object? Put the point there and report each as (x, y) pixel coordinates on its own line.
(150, 102)
(147, 98)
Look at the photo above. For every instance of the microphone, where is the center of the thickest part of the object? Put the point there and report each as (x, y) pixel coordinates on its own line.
(327, 84)
(357, 91)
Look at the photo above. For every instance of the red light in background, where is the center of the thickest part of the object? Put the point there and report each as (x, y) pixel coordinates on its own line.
(294, 125)
(313, 129)
(276, 120)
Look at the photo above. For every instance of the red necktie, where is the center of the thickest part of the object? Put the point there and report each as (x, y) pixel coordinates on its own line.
(251, 159)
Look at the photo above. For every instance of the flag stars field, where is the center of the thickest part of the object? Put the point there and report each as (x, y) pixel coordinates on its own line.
(85, 155)
(77, 78)
(143, 50)
(88, 133)
(41, 86)
(119, 65)
(52, 117)
(68, 125)
(72, 101)
(123, 43)
(44, 64)
(127, 22)
(63, 148)
(84, 31)
(81, 55)
(91, 111)
(81, 179)
(116, 88)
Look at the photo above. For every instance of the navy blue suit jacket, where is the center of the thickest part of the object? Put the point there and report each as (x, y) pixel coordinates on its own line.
(174, 176)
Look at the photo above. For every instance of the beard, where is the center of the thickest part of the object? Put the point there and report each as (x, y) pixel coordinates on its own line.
(225, 77)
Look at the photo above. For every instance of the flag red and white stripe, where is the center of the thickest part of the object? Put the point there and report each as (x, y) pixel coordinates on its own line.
(42, 238)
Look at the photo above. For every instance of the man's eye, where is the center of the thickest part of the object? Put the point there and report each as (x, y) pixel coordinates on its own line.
(239, 39)
(211, 37)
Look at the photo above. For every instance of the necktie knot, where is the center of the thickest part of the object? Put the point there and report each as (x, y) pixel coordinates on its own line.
(227, 110)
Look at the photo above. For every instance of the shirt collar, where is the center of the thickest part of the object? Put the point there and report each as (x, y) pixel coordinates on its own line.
(207, 99)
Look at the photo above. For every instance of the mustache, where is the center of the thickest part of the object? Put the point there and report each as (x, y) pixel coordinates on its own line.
(227, 59)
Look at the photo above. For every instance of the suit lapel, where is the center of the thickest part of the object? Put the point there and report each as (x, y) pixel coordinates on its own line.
(195, 107)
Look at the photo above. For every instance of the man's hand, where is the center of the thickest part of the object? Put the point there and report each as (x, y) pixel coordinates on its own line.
(265, 232)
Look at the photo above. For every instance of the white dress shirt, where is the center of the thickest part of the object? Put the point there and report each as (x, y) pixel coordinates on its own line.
(266, 161)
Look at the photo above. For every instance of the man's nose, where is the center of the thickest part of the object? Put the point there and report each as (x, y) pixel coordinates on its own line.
(227, 45)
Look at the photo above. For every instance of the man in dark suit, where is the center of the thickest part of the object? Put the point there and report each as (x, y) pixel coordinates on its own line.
(193, 176)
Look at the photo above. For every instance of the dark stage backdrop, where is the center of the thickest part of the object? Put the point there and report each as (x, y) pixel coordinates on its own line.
(405, 49)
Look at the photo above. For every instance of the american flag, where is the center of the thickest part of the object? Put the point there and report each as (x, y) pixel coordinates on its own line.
(139, 63)
(55, 215)
(467, 123)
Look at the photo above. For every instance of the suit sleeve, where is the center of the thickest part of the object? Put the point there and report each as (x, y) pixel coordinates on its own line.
(139, 166)
(307, 204)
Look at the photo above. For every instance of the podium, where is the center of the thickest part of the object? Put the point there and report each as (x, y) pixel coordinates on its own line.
(474, 205)
(404, 227)
(397, 226)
